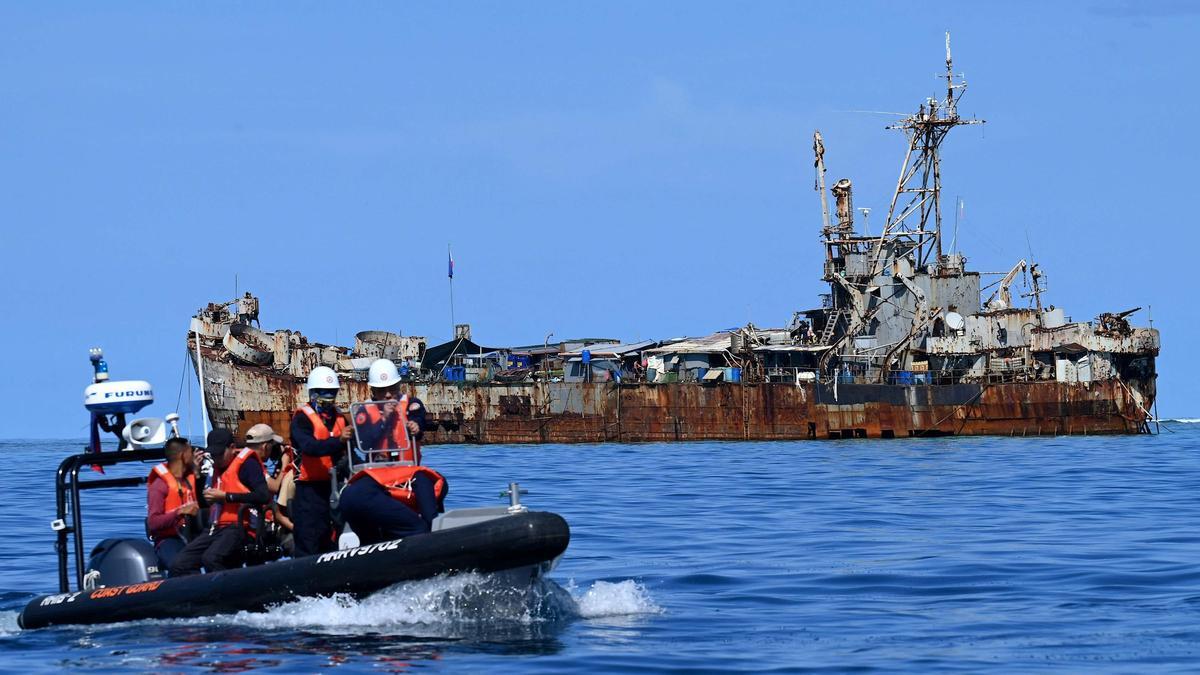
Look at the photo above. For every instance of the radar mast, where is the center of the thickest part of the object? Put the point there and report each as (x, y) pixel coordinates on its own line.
(919, 188)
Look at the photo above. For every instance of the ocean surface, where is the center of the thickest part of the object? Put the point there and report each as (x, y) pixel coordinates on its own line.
(955, 554)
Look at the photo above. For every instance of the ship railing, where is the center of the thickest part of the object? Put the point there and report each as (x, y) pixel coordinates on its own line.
(941, 377)
(790, 374)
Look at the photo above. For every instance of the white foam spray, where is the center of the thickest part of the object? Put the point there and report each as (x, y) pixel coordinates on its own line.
(453, 605)
(8, 623)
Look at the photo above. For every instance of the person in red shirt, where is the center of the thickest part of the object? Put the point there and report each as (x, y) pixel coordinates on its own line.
(171, 505)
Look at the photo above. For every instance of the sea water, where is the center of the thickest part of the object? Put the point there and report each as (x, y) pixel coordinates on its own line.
(1076, 554)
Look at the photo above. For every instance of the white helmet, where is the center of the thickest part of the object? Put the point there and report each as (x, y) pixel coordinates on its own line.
(382, 374)
(322, 377)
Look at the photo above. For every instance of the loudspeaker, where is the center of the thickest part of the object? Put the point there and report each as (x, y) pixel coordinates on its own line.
(145, 432)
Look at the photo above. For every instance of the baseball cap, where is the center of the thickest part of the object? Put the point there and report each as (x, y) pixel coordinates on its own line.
(218, 440)
(261, 433)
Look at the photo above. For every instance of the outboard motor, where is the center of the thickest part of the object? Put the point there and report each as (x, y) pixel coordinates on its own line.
(119, 562)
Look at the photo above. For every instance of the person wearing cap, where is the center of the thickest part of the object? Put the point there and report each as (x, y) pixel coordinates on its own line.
(241, 482)
(392, 496)
(171, 505)
(217, 443)
(319, 434)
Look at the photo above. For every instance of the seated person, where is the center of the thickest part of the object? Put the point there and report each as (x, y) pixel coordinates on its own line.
(384, 499)
(241, 482)
(286, 477)
(171, 505)
(392, 502)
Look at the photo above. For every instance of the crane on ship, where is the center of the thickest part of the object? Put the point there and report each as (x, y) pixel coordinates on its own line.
(1001, 298)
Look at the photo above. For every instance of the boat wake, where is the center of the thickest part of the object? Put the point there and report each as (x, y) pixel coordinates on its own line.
(451, 605)
(8, 623)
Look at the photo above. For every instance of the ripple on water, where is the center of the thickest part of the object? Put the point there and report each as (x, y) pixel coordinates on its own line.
(920, 554)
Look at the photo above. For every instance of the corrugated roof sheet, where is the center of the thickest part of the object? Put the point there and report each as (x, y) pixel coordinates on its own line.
(612, 349)
(767, 340)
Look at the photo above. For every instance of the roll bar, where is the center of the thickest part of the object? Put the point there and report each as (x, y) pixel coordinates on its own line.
(67, 486)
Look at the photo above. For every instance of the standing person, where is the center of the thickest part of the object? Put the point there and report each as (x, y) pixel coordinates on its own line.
(171, 505)
(392, 496)
(241, 482)
(398, 422)
(319, 434)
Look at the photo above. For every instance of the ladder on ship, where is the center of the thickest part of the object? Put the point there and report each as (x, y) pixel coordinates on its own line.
(831, 324)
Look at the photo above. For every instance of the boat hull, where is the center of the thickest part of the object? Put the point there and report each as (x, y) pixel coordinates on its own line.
(241, 396)
(530, 540)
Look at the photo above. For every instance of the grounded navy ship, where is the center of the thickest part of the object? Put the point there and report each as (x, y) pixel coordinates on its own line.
(904, 344)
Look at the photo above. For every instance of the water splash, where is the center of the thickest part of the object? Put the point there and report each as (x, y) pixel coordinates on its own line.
(8, 623)
(622, 598)
(453, 605)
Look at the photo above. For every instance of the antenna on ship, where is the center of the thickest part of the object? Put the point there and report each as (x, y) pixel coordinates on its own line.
(1035, 287)
(921, 174)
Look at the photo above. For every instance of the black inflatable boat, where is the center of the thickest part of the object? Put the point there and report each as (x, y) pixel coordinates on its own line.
(121, 581)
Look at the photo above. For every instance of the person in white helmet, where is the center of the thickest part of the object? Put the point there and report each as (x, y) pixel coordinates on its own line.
(392, 496)
(319, 434)
(398, 423)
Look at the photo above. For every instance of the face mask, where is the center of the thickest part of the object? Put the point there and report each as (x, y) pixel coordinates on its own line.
(324, 398)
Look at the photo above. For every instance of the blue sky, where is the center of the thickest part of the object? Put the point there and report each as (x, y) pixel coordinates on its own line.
(634, 170)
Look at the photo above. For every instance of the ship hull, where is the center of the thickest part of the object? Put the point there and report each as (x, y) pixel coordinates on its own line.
(240, 396)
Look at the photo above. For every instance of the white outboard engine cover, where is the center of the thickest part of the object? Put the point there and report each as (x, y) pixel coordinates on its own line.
(125, 396)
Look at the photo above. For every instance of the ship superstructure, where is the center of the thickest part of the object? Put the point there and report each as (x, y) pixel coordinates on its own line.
(901, 308)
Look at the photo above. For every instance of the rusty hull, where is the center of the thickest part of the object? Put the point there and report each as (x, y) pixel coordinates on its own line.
(543, 412)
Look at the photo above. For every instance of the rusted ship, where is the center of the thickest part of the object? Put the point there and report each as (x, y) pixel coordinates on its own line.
(904, 344)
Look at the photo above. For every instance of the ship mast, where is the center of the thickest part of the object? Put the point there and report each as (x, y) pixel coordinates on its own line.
(919, 187)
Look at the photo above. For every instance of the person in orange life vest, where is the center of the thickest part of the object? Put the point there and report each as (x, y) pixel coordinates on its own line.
(319, 434)
(382, 426)
(241, 481)
(171, 505)
(382, 503)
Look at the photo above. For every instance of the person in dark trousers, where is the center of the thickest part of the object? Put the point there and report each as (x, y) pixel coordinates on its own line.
(319, 434)
(391, 496)
(171, 505)
(241, 483)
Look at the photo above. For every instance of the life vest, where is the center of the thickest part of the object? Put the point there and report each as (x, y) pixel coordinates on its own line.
(178, 494)
(318, 468)
(394, 438)
(397, 480)
(230, 482)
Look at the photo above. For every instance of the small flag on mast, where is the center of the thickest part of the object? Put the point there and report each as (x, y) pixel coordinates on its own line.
(450, 272)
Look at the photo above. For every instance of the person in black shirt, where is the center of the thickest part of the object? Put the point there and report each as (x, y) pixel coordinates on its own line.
(242, 482)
